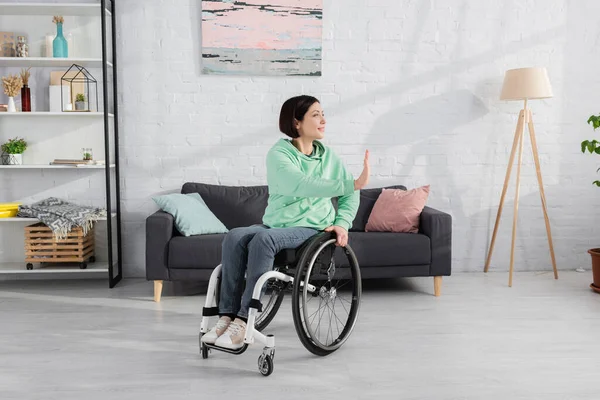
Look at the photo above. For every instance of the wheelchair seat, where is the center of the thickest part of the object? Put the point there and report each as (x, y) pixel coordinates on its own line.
(289, 257)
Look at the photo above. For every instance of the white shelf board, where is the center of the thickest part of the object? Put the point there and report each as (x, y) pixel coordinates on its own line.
(67, 114)
(19, 268)
(41, 8)
(34, 220)
(48, 166)
(50, 62)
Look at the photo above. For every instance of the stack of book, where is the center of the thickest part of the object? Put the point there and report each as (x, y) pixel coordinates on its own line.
(62, 161)
(76, 163)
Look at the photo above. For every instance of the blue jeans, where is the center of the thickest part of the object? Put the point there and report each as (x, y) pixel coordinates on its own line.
(251, 250)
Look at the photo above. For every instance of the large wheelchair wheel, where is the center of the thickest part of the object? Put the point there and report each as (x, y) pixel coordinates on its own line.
(326, 297)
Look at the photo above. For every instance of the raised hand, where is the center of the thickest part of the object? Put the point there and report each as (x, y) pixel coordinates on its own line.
(363, 179)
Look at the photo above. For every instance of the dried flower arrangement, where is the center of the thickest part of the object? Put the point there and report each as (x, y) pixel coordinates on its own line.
(58, 19)
(25, 74)
(12, 85)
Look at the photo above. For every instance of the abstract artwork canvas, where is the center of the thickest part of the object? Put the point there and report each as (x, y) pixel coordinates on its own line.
(262, 37)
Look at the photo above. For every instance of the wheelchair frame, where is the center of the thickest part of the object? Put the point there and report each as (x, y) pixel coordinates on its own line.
(265, 361)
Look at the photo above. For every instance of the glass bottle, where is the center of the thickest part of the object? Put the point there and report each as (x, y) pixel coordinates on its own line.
(60, 48)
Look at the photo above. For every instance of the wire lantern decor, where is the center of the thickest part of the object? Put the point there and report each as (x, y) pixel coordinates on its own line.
(76, 75)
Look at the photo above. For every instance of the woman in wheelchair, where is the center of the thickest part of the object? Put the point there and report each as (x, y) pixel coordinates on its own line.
(302, 176)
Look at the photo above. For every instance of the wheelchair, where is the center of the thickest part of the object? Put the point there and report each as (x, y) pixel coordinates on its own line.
(320, 290)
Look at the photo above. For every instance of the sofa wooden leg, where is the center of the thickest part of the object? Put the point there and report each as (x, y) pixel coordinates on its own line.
(157, 290)
(437, 285)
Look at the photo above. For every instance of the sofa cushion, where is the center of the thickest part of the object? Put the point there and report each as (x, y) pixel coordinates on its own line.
(197, 252)
(235, 206)
(398, 210)
(368, 197)
(191, 215)
(383, 249)
(372, 249)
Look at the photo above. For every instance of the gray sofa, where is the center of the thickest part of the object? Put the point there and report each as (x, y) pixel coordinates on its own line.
(173, 257)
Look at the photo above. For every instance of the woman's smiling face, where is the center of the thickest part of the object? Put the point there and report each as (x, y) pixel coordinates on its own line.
(313, 124)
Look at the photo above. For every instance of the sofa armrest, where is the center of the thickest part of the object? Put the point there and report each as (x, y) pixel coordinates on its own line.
(159, 231)
(438, 226)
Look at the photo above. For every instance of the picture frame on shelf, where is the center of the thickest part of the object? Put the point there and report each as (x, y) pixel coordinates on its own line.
(7, 44)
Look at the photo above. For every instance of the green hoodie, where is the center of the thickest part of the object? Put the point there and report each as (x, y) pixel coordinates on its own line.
(301, 188)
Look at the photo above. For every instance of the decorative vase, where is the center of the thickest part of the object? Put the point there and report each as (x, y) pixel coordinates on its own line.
(11, 105)
(595, 253)
(22, 47)
(25, 99)
(60, 47)
(70, 44)
(55, 97)
(15, 159)
(48, 44)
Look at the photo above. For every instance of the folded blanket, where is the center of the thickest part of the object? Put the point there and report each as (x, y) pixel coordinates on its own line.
(61, 216)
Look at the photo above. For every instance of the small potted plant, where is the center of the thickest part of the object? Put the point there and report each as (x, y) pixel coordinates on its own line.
(593, 146)
(13, 151)
(80, 102)
(87, 154)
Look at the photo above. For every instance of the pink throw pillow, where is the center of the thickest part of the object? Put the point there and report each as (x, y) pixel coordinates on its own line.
(398, 210)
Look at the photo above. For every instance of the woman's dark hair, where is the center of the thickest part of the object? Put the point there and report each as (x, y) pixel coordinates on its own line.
(294, 109)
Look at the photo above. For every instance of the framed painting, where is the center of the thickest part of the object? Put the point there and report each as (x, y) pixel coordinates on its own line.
(262, 37)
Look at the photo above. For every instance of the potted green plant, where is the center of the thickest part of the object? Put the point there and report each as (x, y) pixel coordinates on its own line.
(80, 102)
(593, 146)
(13, 151)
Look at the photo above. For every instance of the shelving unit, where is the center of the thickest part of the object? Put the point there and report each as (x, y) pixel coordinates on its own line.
(41, 8)
(98, 268)
(43, 166)
(57, 131)
(51, 62)
(55, 114)
(34, 220)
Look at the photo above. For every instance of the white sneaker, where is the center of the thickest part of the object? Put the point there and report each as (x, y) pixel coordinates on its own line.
(211, 336)
(233, 338)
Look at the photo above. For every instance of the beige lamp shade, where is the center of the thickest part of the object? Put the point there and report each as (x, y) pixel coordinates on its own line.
(526, 83)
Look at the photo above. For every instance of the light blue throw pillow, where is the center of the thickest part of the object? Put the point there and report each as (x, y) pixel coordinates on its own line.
(192, 215)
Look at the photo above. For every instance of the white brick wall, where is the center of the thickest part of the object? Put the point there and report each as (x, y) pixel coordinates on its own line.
(415, 82)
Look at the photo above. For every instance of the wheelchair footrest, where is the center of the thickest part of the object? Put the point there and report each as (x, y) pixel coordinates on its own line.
(210, 311)
(230, 351)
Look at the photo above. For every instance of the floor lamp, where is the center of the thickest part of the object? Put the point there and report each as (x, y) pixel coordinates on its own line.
(523, 84)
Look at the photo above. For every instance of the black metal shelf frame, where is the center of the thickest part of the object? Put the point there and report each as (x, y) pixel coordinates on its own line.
(109, 5)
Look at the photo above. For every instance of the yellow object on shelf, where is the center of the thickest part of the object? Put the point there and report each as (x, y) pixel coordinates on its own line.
(8, 214)
(9, 210)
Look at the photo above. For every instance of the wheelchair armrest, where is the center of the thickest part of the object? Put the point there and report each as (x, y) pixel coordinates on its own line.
(438, 226)
(159, 231)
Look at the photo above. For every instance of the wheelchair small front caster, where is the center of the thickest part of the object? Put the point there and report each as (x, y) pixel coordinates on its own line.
(29, 266)
(204, 351)
(265, 361)
(82, 265)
